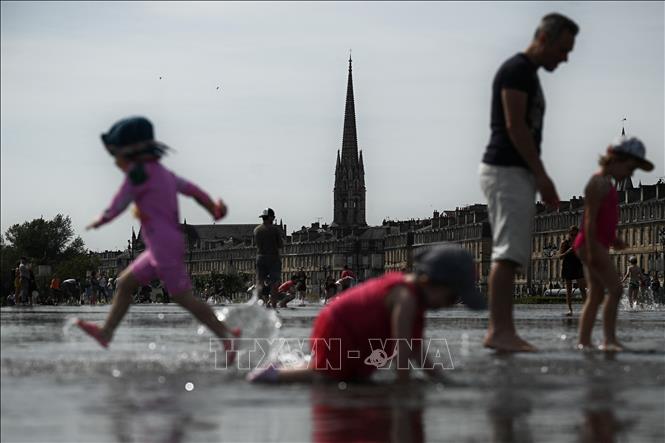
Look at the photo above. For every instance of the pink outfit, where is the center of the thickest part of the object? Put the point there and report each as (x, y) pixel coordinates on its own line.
(157, 201)
(606, 221)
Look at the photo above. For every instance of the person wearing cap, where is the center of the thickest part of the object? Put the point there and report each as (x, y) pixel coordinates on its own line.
(511, 170)
(390, 307)
(268, 241)
(599, 234)
(154, 191)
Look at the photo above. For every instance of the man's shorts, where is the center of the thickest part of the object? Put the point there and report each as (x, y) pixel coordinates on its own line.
(173, 272)
(268, 267)
(510, 192)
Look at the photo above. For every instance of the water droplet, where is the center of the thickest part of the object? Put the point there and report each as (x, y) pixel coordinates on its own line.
(189, 386)
(544, 369)
(161, 379)
(200, 330)
(160, 316)
(152, 346)
(184, 356)
(116, 373)
(278, 324)
(626, 368)
(341, 386)
(563, 336)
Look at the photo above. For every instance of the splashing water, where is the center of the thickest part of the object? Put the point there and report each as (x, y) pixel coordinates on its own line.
(259, 329)
(646, 301)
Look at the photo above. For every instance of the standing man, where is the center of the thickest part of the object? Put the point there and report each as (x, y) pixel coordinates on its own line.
(301, 285)
(268, 240)
(24, 274)
(511, 170)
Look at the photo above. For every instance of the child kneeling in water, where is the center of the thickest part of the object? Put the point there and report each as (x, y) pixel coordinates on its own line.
(388, 307)
(154, 189)
(598, 234)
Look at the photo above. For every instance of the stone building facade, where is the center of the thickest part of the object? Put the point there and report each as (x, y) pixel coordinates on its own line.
(322, 250)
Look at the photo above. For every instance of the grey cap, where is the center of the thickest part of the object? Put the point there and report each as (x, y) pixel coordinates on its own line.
(267, 212)
(633, 147)
(452, 266)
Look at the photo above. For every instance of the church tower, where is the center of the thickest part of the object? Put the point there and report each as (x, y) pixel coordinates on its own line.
(349, 192)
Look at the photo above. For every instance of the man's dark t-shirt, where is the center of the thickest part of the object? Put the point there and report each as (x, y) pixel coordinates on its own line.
(268, 239)
(518, 72)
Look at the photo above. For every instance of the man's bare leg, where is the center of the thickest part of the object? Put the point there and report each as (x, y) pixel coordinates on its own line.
(501, 334)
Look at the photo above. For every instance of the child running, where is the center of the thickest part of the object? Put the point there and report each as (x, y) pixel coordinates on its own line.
(634, 272)
(154, 190)
(388, 307)
(598, 234)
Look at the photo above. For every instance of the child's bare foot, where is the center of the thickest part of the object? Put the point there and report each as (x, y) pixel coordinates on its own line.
(94, 331)
(585, 347)
(614, 346)
(509, 342)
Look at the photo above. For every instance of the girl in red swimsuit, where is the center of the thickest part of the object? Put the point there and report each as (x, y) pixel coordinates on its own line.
(598, 234)
(388, 307)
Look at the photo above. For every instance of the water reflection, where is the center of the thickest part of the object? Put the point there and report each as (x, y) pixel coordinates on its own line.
(141, 409)
(600, 422)
(364, 413)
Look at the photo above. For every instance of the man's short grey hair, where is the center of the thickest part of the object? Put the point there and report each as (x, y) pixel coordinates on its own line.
(554, 24)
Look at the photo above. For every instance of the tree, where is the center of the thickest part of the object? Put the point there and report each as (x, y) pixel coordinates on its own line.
(47, 242)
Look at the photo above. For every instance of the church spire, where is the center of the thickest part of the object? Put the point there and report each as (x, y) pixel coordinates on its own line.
(349, 138)
(349, 192)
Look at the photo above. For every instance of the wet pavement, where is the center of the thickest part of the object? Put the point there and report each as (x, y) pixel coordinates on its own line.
(159, 383)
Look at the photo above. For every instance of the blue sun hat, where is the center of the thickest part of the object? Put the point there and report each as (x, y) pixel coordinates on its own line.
(632, 147)
(454, 267)
(133, 137)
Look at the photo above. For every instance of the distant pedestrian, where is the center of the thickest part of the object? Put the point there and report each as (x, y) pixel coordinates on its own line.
(571, 268)
(634, 276)
(331, 288)
(301, 285)
(511, 170)
(268, 240)
(54, 287)
(24, 272)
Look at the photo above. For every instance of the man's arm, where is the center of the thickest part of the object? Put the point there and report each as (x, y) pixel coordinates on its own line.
(514, 109)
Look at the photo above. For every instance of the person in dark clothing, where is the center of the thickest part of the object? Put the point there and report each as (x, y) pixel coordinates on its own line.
(512, 172)
(268, 240)
(571, 268)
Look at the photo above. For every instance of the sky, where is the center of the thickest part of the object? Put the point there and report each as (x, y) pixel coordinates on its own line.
(269, 136)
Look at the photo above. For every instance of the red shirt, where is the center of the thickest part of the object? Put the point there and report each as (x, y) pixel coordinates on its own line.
(284, 287)
(348, 273)
(359, 314)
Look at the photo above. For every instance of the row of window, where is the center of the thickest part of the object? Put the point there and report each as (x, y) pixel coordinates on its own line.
(628, 213)
(634, 236)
